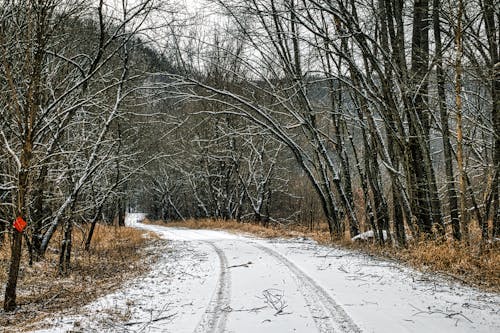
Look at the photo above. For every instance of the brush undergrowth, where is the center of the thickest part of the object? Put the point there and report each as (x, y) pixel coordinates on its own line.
(475, 263)
(272, 231)
(115, 256)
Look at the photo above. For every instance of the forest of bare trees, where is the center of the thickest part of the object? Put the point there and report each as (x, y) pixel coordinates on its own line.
(364, 115)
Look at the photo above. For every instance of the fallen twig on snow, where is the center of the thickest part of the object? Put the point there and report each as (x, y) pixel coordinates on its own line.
(256, 309)
(275, 299)
(131, 323)
(241, 265)
(448, 315)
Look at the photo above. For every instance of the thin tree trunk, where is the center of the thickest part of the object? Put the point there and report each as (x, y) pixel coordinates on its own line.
(27, 114)
(458, 105)
(15, 260)
(363, 175)
(451, 192)
(88, 240)
(3, 231)
(418, 115)
(38, 214)
(392, 132)
(372, 214)
(66, 245)
(380, 205)
(426, 200)
(496, 159)
(17, 237)
(121, 213)
(489, 11)
(336, 101)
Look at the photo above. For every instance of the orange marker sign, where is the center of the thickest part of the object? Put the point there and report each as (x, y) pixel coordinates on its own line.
(20, 224)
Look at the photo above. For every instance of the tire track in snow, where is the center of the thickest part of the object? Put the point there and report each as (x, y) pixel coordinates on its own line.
(327, 314)
(215, 316)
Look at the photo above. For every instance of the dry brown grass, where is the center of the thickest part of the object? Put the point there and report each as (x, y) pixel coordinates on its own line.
(115, 256)
(321, 234)
(480, 267)
(475, 263)
(472, 264)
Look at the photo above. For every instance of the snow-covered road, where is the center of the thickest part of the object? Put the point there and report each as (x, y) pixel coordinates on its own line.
(213, 281)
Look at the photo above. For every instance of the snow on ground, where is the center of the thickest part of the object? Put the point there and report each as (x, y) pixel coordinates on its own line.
(214, 281)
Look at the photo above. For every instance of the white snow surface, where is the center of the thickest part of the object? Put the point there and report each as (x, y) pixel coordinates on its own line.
(214, 281)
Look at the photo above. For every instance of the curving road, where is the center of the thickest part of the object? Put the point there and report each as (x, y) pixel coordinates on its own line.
(257, 289)
(297, 286)
(213, 282)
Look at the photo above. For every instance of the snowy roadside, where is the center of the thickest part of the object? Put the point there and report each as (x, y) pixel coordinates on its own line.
(148, 302)
(213, 281)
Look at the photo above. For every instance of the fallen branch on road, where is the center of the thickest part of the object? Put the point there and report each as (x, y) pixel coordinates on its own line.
(241, 265)
(131, 323)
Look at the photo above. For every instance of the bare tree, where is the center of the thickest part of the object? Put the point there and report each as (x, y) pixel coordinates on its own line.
(357, 53)
(45, 114)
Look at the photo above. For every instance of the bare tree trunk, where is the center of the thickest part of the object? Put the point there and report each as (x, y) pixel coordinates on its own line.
(3, 231)
(340, 147)
(27, 114)
(418, 118)
(15, 260)
(489, 11)
(121, 213)
(65, 254)
(88, 240)
(496, 159)
(458, 105)
(380, 205)
(451, 192)
(37, 217)
(362, 175)
(17, 237)
(393, 130)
